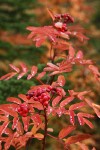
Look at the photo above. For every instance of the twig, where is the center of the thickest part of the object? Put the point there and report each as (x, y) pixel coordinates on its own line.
(45, 130)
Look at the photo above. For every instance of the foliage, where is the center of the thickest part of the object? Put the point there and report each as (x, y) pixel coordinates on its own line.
(27, 117)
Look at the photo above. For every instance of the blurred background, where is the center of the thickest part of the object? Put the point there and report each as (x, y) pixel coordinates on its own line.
(15, 16)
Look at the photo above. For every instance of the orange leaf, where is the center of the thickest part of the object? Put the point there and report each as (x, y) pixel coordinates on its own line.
(77, 138)
(39, 136)
(65, 131)
(61, 80)
(14, 100)
(56, 100)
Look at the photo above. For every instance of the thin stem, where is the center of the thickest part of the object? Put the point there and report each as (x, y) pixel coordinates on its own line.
(45, 130)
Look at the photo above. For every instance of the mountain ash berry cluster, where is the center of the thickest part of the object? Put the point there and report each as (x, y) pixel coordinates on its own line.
(61, 21)
(43, 95)
(23, 110)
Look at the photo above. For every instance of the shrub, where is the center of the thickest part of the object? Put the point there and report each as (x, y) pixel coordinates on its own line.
(27, 117)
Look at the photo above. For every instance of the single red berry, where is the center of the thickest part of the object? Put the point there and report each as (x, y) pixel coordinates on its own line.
(21, 113)
(25, 110)
(24, 115)
(39, 91)
(45, 98)
(43, 94)
(45, 103)
(22, 106)
(49, 88)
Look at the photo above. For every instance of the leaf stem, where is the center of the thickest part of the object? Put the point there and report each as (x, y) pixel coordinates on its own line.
(45, 130)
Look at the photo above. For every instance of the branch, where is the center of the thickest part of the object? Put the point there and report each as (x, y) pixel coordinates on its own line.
(45, 130)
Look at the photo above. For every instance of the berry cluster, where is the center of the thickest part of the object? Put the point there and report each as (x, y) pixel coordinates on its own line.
(23, 110)
(61, 21)
(41, 94)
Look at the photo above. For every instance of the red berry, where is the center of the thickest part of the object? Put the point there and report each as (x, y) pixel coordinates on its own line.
(24, 115)
(45, 98)
(49, 88)
(21, 113)
(45, 103)
(18, 109)
(39, 97)
(43, 94)
(25, 110)
(28, 97)
(35, 99)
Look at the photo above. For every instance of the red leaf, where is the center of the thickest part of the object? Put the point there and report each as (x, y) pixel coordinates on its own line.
(80, 119)
(72, 119)
(14, 68)
(9, 109)
(79, 55)
(59, 111)
(94, 70)
(49, 110)
(24, 67)
(71, 52)
(36, 119)
(39, 33)
(54, 73)
(61, 80)
(21, 75)
(23, 97)
(77, 106)
(33, 72)
(41, 75)
(53, 66)
(14, 100)
(0, 144)
(56, 100)
(37, 105)
(82, 146)
(39, 41)
(39, 136)
(66, 101)
(15, 121)
(8, 131)
(3, 127)
(26, 121)
(96, 109)
(65, 131)
(3, 118)
(51, 14)
(81, 94)
(77, 138)
(8, 76)
(19, 128)
(88, 123)
(86, 115)
(8, 143)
